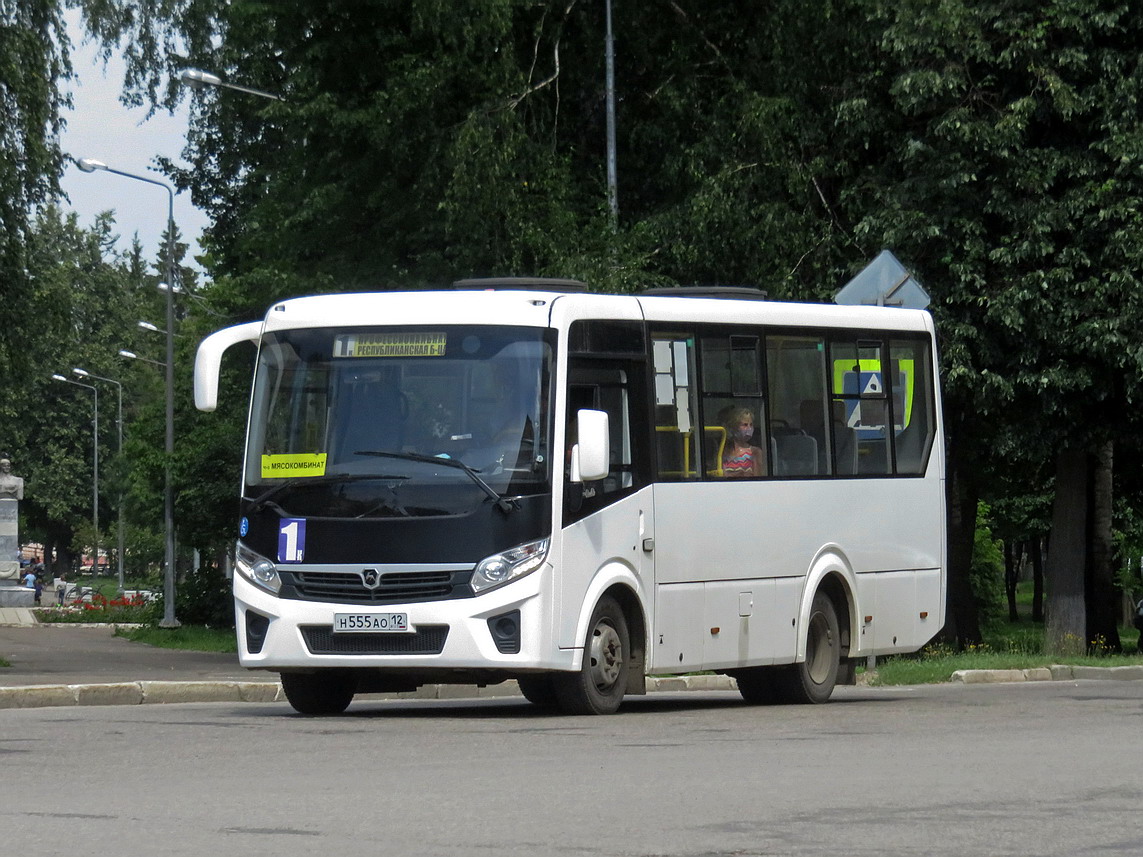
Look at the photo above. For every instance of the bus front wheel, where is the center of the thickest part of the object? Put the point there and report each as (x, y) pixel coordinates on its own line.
(323, 692)
(538, 690)
(599, 685)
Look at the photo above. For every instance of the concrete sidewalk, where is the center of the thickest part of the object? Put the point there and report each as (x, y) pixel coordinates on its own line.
(59, 664)
(17, 616)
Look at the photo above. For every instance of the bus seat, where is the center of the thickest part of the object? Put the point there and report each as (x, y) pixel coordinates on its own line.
(674, 452)
(844, 439)
(812, 416)
(795, 455)
(715, 437)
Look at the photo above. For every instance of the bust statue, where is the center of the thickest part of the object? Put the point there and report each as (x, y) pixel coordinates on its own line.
(11, 486)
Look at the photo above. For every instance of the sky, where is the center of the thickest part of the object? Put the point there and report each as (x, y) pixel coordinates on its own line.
(101, 127)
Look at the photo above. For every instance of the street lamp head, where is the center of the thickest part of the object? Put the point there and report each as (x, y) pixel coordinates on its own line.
(178, 289)
(83, 373)
(90, 165)
(196, 79)
(59, 378)
(123, 352)
(146, 325)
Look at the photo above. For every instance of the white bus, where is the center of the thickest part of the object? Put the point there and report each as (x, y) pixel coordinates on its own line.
(523, 480)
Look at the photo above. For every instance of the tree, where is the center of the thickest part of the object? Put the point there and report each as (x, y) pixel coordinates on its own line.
(1002, 139)
(993, 146)
(33, 61)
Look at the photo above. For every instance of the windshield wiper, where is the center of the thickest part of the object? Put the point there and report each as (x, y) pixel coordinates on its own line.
(266, 496)
(504, 504)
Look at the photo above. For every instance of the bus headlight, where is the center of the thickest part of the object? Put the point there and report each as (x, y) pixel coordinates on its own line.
(257, 569)
(512, 564)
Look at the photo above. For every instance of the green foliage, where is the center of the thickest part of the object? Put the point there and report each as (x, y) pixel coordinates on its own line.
(99, 609)
(195, 638)
(994, 147)
(203, 598)
(1007, 646)
(33, 64)
(987, 570)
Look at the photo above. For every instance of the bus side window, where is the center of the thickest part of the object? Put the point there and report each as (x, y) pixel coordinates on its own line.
(858, 379)
(796, 366)
(676, 440)
(732, 393)
(913, 405)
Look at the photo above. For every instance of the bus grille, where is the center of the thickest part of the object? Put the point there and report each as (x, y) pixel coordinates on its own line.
(394, 587)
(427, 640)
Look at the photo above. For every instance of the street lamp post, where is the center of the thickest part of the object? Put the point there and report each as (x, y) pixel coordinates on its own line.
(131, 355)
(196, 79)
(94, 470)
(612, 169)
(89, 165)
(83, 373)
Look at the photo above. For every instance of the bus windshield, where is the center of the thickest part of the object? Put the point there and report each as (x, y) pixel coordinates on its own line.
(359, 422)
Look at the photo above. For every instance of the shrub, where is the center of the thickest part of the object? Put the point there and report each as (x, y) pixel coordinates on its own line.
(203, 598)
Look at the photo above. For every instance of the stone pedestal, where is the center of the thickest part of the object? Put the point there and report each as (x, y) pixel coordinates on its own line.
(14, 595)
(9, 539)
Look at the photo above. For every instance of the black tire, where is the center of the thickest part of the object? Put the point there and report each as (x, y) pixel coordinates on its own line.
(812, 681)
(321, 693)
(758, 685)
(599, 685)
(538, 690)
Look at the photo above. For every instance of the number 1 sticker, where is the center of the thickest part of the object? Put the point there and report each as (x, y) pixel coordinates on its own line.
(291, 539)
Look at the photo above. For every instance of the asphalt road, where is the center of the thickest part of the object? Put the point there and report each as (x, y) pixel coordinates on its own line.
(1046, 768)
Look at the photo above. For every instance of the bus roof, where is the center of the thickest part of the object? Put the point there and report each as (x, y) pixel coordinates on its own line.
(537, 308)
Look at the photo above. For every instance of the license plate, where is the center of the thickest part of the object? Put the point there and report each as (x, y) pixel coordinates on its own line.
(370, 623)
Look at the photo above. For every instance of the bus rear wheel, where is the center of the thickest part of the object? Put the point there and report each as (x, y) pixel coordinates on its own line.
(599, 685)
(813, 680)
(758, 685)
(321, 693)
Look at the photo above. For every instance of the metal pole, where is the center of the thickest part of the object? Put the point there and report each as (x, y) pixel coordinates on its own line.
(95, 484)
(612, 168)
(169, 620)
(119, 449)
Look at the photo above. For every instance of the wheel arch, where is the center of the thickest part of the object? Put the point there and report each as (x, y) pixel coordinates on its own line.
(831, 573)
(620, 583)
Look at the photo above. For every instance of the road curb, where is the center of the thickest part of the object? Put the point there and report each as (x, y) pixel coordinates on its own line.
(162, 692)
(168, 692)
(1055, 672)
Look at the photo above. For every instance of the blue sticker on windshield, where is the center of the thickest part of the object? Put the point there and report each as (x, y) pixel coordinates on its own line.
(291, 539)
(244, 527)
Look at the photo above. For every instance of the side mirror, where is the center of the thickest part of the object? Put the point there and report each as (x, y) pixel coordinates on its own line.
(591, 456)
(208, 360)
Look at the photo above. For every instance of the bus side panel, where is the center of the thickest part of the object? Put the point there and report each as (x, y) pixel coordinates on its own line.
(731, 533)
(750, 622)
(612, 536)
(744, 529)
(929, 618)
(906, 609)
(677, 641)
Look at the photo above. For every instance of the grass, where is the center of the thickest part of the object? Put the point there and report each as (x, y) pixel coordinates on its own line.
(194, 638)
(1006, 646)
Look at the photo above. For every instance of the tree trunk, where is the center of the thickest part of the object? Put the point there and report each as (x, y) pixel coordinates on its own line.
(1065, 629)
(1101, 592)
(1011, 573)
(1038, 579)
(962, 622)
